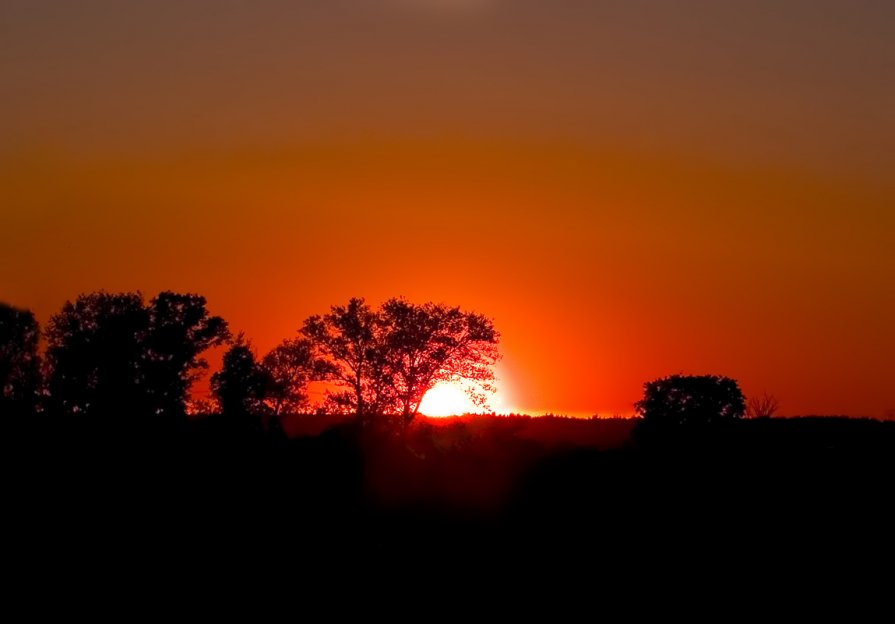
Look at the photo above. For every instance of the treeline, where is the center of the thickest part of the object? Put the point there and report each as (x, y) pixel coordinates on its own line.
(116, 355)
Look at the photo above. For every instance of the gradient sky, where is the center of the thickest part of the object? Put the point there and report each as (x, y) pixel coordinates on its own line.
(631, 189)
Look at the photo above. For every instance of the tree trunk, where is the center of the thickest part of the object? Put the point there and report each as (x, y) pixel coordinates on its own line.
(407, 417)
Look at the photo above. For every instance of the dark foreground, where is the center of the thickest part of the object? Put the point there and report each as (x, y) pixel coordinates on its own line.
(482, 500)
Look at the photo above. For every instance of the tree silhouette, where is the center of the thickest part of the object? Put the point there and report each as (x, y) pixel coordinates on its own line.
(289, 366)
(690, 400)
(19, 362)
(180, 330)
(432, 343)
(387, 359)
(240, 386)
(764, 406)
(94, 355)
(348, 348)
(112, 354)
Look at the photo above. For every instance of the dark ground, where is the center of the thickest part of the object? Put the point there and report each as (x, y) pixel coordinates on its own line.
(468, 502)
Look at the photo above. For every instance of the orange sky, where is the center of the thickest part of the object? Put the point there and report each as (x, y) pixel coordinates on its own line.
(630, 191)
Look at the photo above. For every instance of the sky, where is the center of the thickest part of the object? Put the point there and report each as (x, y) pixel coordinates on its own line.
(629, 189)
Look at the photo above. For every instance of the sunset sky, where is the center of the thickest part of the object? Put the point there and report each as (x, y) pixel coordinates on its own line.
(630, 189)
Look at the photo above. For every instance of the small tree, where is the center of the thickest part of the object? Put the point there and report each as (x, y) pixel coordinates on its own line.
(289, 367)
(690, 400)
(241, 384)
(764, 406)
(19, 362)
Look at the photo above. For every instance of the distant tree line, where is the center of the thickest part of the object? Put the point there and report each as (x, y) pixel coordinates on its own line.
(109, 355)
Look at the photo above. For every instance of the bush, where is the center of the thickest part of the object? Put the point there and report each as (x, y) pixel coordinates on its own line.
(691, 400)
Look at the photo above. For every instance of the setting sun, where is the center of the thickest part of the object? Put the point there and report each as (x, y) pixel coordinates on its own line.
(446, 400)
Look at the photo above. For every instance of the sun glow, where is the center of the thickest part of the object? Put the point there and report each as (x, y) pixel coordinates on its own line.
(446, 399)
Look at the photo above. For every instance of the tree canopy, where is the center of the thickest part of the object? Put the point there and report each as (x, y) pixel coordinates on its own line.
(385, 360)
(114, 354)
(241, 385)
(348, 349)
(111, 354)
(426, 344)
(19, 362)
(289, 367)
(691, 400)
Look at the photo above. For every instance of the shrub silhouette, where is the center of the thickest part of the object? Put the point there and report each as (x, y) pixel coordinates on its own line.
(690, 400)
(764, 406)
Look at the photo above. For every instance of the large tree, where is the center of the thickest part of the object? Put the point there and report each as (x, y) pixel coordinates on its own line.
(430, 343)
(691, 400)
(386, 360)
(95, 354)
(112, 354)
(19, 362)
(348, 347)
